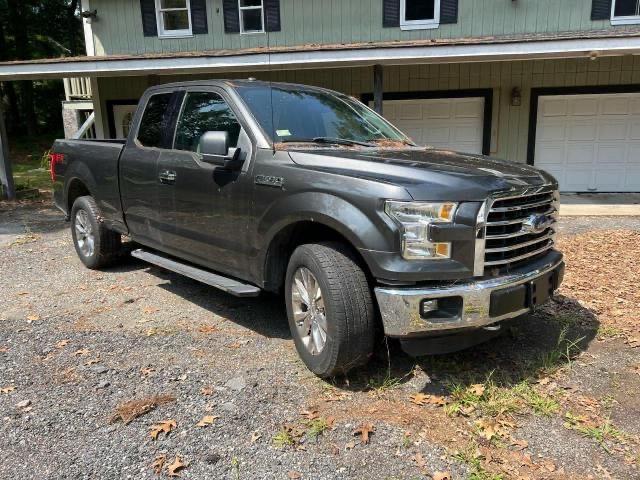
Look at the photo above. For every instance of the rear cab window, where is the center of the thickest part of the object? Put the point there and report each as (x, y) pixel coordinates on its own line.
(154, 120)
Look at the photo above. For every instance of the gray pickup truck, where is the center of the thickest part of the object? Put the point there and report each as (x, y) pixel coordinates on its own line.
(251, 186)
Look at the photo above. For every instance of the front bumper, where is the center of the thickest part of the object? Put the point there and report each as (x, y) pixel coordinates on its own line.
(469, 304)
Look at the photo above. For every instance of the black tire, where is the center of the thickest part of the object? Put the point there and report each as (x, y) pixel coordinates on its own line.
(348, 307)
(106, 243)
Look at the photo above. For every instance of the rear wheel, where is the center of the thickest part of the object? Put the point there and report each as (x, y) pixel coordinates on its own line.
(95, 244)
(330, 309)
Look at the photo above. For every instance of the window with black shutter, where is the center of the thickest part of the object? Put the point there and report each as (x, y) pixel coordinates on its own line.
(251, 16)
(173, 18)
(419, 14)
(625, 12)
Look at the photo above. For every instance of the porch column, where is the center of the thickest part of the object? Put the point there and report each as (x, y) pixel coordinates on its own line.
(6, 174)
(378, 88)
(97, 109)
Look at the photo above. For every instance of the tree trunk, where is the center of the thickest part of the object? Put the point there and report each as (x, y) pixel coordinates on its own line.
(18, 25)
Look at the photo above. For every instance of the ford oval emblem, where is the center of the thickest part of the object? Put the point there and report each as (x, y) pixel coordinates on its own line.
(536, 223)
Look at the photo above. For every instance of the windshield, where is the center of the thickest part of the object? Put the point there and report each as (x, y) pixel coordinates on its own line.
(306, 115)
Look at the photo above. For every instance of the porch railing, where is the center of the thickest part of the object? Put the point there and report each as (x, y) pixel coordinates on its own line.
(87, 130)
(77, 88)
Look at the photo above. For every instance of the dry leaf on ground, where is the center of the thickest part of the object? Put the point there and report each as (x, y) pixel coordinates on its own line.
(207, 329)
(442, 476)
(255, 436)
(364, 430)
(165, 427)
(33, 318)
(425, 399)
(82, 351)
(129, 411)
(206, 391)
(293, 475)
(7, 389)
(207, 420)
(146, 371)
(175, 467)
(419, 459)
(310, 414)
(62, 343)
(158, 464)
(477, 389)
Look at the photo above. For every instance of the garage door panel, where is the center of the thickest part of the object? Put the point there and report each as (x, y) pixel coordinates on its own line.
(587, 106)
(581, 153)
(583, 130)
(590, 142)
(452, 123)
(613, 129)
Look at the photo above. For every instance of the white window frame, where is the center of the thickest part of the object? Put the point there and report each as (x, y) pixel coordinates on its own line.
(162, 32)
(242, 9)
(625, 20)
(419, 24)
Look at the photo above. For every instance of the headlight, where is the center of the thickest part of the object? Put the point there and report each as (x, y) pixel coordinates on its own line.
(414, 219)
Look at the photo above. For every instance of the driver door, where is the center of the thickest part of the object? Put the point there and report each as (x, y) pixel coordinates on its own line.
(206, 207)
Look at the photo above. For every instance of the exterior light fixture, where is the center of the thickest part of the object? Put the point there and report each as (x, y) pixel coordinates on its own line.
(89, 15)
(516, 97)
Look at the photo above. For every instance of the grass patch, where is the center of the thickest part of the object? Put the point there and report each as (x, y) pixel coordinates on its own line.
(283, 438)
(380, 385)
(471, 457)
(317, 427)
(609, 331)
(605, 432)
(563, 354)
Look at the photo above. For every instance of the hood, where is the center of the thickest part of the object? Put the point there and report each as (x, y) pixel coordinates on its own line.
(427, 174)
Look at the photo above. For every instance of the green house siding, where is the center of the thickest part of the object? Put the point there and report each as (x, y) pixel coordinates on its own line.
(118, 29)
(510, 125)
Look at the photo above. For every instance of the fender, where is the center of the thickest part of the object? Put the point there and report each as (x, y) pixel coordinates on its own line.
(328, 210)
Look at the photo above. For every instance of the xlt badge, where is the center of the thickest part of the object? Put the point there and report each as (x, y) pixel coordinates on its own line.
(269, 181)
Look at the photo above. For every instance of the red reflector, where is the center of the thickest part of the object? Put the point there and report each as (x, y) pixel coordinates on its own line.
(54, 159)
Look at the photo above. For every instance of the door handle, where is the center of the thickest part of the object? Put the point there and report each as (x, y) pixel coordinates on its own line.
(167, 177)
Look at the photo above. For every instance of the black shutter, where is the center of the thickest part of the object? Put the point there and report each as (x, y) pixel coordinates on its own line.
(149, 22)
(390, 13)
(448, 11)
(601, 10)
(272, 15)
(199, 16)
(231, 16)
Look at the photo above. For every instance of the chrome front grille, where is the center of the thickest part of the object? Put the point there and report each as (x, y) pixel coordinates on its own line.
(519, 226)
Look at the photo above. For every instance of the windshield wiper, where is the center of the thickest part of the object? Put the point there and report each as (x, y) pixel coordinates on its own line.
(327, 140)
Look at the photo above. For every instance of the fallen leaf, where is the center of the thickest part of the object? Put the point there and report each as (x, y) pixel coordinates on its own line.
(477, 389)
(158, 464)
(233, 345)
(424, 399)
(310, 414)
(175, 467)
(165, 426)
(207, 329)
(129, 411)
(150, 310)
(293, 475)
(62, 343)
(442, 476)
(146, 371)
(206, 391)
(255, 436)
(489, 428)
(4, 349)
(92, 361)
(520, 444)
(22, 293)
(33, 318)
(364, 431)
(350, 445)
(8, 389)
(420, 461)
(207, 420)
(82, 351)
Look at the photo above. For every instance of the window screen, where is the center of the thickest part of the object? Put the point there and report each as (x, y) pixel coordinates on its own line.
(626, 8)
(205, 112)
(153, 120)
(420, 10)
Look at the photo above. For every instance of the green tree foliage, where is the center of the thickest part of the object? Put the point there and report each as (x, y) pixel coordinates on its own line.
(31, 30)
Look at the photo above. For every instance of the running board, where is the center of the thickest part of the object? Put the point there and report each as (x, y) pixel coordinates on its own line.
(234, 287)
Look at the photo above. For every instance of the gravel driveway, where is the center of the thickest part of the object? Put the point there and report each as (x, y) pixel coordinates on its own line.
(93, 365)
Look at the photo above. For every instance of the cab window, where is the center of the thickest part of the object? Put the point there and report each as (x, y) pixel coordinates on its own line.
(204, 112)
(154, 120)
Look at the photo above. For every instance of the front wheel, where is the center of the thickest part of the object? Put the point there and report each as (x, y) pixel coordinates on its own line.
(95, 244)
(330, 309)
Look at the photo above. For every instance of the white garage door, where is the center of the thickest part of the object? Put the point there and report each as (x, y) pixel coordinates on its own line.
(453, 123)
(590, 142)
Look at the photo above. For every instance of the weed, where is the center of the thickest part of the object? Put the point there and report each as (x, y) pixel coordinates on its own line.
(600, 433)
(380, 385)
(235, 465)
(473, 459)
(564, 352)
(283, 438)
(317, 427)
(540, 404)
(608, 331)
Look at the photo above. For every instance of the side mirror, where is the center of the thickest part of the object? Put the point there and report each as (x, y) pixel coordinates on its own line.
(214, 148)
(214, 143)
